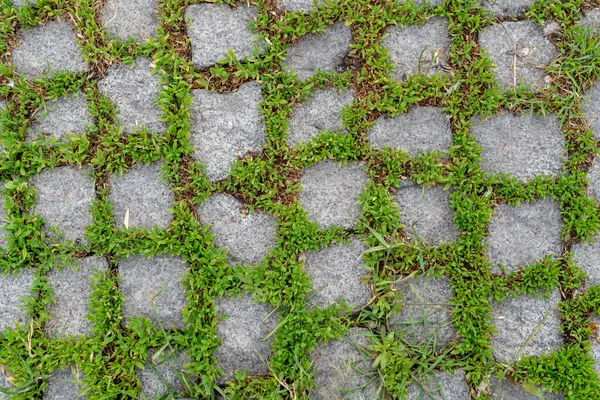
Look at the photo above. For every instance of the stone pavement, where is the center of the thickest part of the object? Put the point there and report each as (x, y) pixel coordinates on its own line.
(280, 200)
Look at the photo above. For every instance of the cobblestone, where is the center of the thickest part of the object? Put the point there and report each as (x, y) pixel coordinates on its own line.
(124, 19)
(13, 291)
(162, 375)
(591, 108)
(57, 118)
(65, 384)
(441, 385)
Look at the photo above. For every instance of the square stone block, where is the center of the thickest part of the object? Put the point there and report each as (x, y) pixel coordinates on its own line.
(3, 220)
(71, 289)
(338, 271)
(526, 326)
(322, 111)
(243, 327)
(48, 48)
(425, 213)
(520, 52)
(65, 384)
(64, 198)
(440, 385)
(141, 196)
(23, 3)
(130, 18)
(330, 193)
(247, 237)
(591, 108)
(421, 49)
(304, 6)
(594, 181)
(324, 52)
(591, 19)
(57, 118)
(214, 29)
(226, 126)
(520, 145)
(587, 257)
(520, 236)
(134, 91)
(419, 130)
(13, 291)
(425, 317)
(163, 374)
(506, 8)
(343, 369)
(505, 390)
(141, 280)
(595, 343)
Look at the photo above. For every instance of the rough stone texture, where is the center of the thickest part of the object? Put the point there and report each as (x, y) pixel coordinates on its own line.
(338, 271)
(425, 213)
(592, 19)
(587, 257)
(225, 126)
(520, 236)
(520, 145)
(13, 288)
(57, 118)
(130, 18)
(71, 289)
(507, 390)
(142, 192)
(526, 40)
(433, 3)
(247, 237)
(142, 278)
(425, 315)
(591, 108)
(507, 7)
(594, 181)
(214, 29)
(242, 328)
(4, 382)
(64, 384)
(304, 6)
(440, 385)
(420, 129)
(64, 198)
(414, 49)
(48, 48)
(22, 3)
(164, 369)
(322, 111)
(3, 220)
(330, 193)
(526, 326)
(595, 343)
(134, 91)
(342, 369)
(324, 52)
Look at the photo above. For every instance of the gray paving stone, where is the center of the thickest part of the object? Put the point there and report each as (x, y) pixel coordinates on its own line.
(595, 343)
(48, 48)
(418, 130)
(166, 368)
(587, 256)
(594, 181)
(343, 369)
(520, 145)
(247, 237)
(4, 382)
(330, 193)
(64, 198)
(130, 18)
(71, 289)
(214, 29)
(440, 385)
(414, 49)
(425, 315)
(526, 326)
(225, 126)
(433, 3)
(338, 271)
(13, 290)
(507, 390)
(22, 3)
(533, 51)
(425, 213)
(3, 220)
(591, 108)
(520, 236)
(141, 194)
(134, 91)
(142, 278)
(57, 118)
(304, 6)
(64, 384)
(592, 19)
(507, 8)
(324, 52)
(322, 111)
(242, 328)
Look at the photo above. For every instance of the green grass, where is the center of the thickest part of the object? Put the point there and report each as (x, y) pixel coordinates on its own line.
(109, 357)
